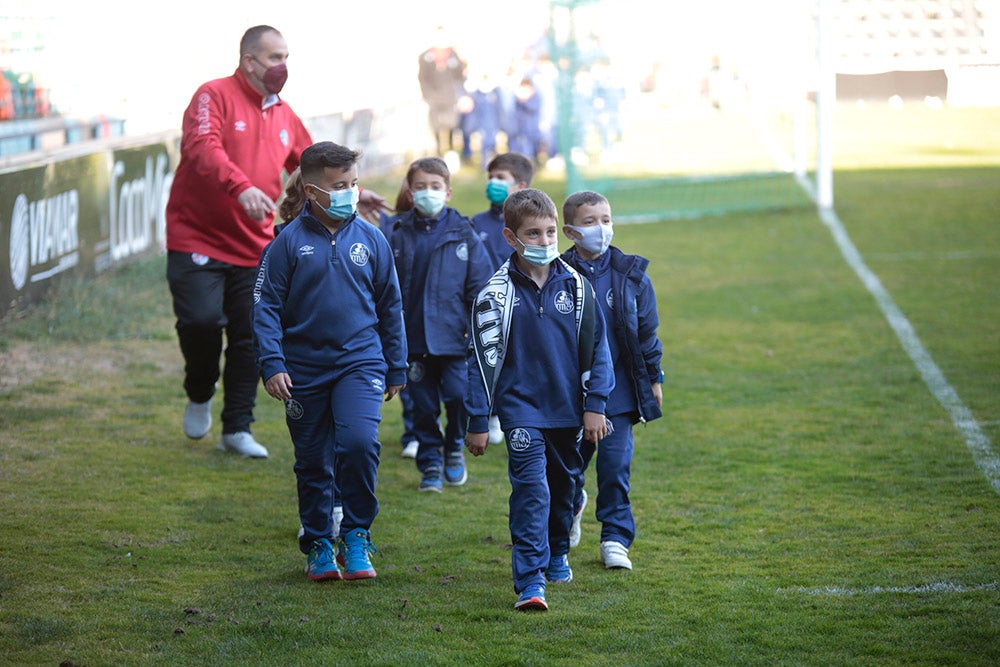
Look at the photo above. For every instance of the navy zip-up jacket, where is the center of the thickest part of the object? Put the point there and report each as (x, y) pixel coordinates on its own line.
(457, 269)
(635, 324)
(539, 384)
(325, 301)
(489, 226)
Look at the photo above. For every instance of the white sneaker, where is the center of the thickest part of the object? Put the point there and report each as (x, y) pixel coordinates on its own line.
(615, 555)
(410, 449)
(242, 443)
(338, 516)
(496, 433)
(197, 419)
(574, 531)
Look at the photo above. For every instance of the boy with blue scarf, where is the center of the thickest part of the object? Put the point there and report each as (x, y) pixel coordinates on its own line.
(540, 362)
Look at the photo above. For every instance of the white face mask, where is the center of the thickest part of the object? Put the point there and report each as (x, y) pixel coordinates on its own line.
(595, 238)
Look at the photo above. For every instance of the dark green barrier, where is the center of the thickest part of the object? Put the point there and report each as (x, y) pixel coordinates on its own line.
(73, 214)
(78, 211)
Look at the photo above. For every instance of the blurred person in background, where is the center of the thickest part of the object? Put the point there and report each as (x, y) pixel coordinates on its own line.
(442, 82)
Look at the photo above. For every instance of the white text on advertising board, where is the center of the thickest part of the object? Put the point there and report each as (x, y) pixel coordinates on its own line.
(138, 208)
(44, 237)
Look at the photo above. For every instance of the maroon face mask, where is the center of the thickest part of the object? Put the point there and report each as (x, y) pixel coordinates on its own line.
(274, 77)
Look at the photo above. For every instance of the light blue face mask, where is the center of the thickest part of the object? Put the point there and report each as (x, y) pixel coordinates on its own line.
(429, 202)
(539, 255)
(343, 203)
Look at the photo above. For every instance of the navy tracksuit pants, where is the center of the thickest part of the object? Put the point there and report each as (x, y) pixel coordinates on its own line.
(333, 421)
(431, 381)
(543, 465)
(614, 465)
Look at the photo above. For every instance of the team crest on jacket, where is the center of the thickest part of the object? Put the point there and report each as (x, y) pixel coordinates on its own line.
(462, 252)
(610, 298)
(360, 254)
(293, 409)
(283, 135)
(519, 439)
(564, 302)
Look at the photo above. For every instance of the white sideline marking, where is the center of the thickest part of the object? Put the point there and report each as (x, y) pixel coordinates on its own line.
(953, 255)
(975, 439)
(936, 587)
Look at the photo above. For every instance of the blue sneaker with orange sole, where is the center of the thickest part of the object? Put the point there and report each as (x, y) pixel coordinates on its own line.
(532, 598)
(320, 565)
(352, 553)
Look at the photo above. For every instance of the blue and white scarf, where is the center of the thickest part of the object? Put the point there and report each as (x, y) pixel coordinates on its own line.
(491, 317)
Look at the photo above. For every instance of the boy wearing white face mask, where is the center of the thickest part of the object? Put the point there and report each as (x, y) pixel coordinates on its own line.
(539, 361)
(628, 302)
(442, 265)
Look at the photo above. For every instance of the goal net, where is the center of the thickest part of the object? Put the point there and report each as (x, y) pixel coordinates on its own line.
(681, 109)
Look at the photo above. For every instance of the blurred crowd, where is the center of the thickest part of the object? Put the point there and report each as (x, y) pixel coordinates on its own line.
(478, 111)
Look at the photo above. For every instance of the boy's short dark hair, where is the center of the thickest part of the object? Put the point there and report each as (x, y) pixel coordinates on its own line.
(429, 165)
(520, 166)
(578, 199)
(525, 205)
(325, 154)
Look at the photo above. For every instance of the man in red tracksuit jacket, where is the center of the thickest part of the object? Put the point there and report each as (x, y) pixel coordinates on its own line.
(238, 135)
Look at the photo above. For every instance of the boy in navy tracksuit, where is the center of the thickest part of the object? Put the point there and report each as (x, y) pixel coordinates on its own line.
(540, 361)
(442, 266)
(627, 300)
(505, 173)
(330, 343)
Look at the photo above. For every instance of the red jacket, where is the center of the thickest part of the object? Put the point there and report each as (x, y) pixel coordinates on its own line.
(229, 144)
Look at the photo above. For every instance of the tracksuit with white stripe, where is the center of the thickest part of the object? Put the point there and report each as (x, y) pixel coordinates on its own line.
(539, 399)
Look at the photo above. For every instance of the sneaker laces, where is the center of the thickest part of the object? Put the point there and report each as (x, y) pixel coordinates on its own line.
(321, 551)
(366, 545)
(369, 546)
(533, 591)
